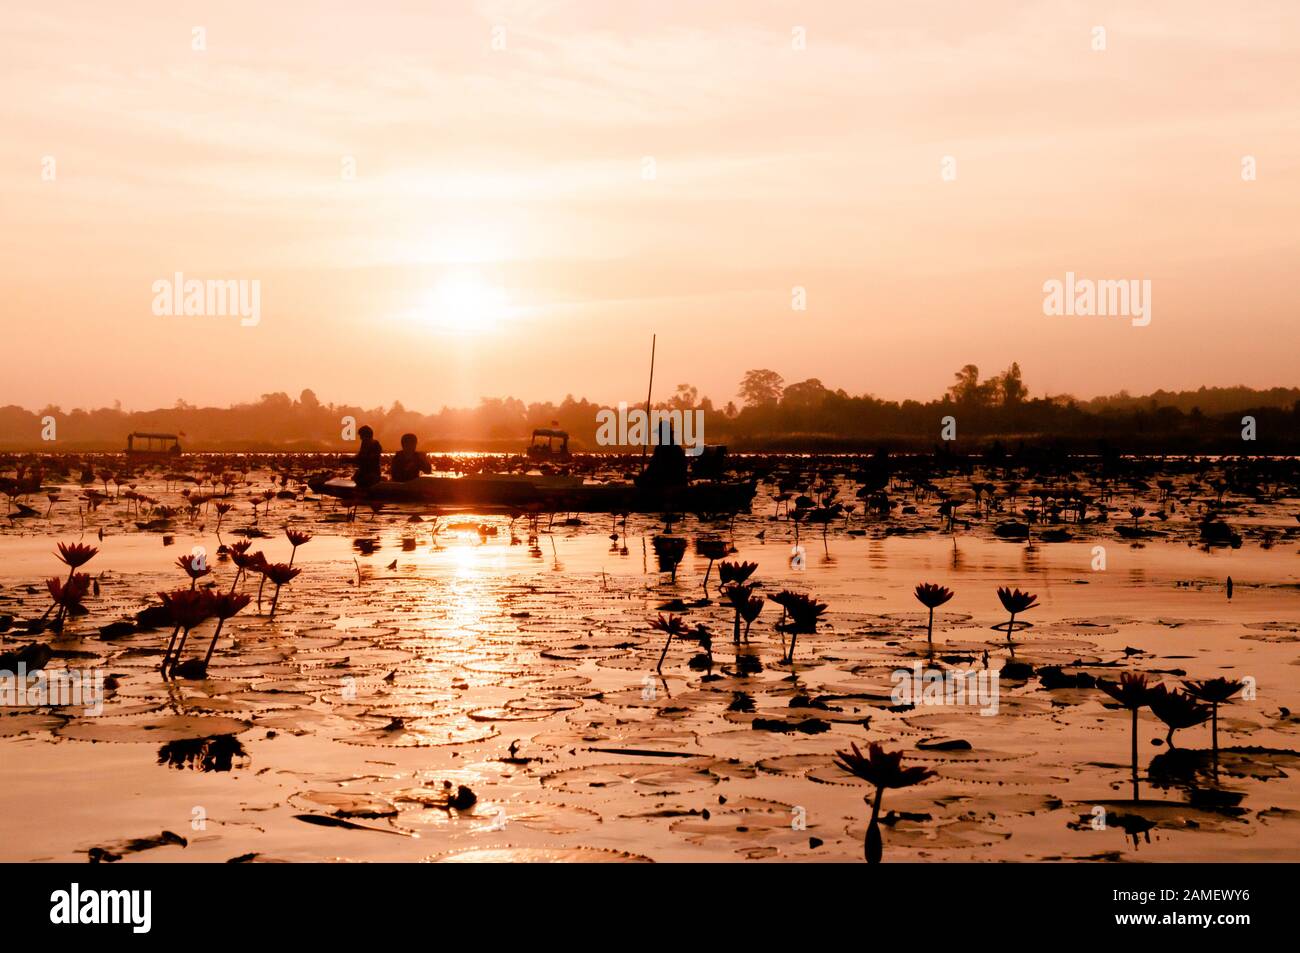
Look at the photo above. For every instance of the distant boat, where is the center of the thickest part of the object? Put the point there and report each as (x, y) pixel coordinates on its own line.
(552, 447)
(156, 445)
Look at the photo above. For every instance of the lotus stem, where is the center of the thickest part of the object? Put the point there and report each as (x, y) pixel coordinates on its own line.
(213, 644)
(874, 847)
(664, 653)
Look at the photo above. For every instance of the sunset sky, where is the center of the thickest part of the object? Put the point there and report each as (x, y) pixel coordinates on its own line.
(500, 236)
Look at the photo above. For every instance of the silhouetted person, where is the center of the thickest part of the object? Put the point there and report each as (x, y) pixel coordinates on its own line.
(667, 464)
(369, 469)
(408, 463)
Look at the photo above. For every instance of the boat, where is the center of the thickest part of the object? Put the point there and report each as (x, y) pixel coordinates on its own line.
(549, 446)
(550, 494)
(662, 487)
(158, 446)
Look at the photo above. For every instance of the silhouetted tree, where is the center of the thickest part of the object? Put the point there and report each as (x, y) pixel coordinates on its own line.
(1012, 387)
(805, 394)
(761, 387)
(966, 387)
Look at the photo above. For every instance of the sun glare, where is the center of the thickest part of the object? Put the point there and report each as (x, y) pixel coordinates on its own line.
(463, 303)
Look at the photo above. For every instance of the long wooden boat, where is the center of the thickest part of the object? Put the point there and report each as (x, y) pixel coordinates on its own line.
(550, 494)
(152, 446)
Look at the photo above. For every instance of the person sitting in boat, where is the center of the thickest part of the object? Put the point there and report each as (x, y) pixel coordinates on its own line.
(667, 464)
(408, 463)
(369, 466)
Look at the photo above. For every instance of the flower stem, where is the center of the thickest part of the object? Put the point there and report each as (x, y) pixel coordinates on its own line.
(874, 847)
(664, 653)
(213, 644)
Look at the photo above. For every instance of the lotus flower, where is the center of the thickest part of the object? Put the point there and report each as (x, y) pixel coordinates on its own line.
(932, 596)
(72, 555)
(804, 611)
(195, 566)
(281, 574)
(243, 560)
(297, 538)
(187, 608)
(75, 555)
(672, 625)
(1177, 710)
(70, 593)
(669, 551)
(738, 594)
(735, 572)
(222, 509)
(702, 635)
(223, 606)
(883, 769)
(1214, 692)
(1133, 692)
(750, 611)
(783, 598)
(1015, 602)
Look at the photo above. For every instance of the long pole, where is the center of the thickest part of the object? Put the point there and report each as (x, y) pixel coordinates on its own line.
(649, 389)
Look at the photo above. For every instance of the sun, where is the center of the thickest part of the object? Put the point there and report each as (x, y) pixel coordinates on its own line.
(463, 303)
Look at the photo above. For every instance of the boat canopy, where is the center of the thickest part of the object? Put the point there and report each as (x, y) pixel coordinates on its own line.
(544, 446)
(169, 442)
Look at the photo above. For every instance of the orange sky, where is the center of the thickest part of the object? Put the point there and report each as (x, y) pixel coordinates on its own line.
(499, 236)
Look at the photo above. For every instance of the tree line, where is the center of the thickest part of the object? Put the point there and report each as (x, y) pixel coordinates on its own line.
(770, 415)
